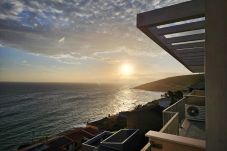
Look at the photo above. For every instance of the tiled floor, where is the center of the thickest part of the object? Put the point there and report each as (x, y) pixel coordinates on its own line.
(193, 129)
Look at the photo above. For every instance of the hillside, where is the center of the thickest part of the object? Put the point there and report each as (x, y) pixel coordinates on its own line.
(173, 83)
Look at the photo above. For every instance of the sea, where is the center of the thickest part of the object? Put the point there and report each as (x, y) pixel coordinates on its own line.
(29, 111)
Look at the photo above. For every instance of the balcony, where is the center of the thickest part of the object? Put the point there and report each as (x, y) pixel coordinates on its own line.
(180, 131)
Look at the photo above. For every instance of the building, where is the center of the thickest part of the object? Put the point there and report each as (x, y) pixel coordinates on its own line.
(70, 140)
(122, 140)
(80, 135)
(60, 143)
(193, 32)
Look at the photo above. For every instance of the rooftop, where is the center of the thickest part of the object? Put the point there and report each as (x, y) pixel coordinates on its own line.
(78, 133)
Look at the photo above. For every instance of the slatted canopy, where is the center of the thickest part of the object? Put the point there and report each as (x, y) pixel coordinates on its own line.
(180, 30)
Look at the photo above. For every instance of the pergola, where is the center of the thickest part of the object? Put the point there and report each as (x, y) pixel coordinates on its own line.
(195, 32)
(180, 30)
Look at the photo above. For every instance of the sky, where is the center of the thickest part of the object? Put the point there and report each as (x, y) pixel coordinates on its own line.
(80, 41)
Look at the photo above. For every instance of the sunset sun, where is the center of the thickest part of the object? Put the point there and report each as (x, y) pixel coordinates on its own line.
(126, 69)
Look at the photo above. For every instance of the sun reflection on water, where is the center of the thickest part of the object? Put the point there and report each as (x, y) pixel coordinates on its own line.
(127, 99)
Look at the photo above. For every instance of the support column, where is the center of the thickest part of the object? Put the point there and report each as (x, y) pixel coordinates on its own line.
(216, 75)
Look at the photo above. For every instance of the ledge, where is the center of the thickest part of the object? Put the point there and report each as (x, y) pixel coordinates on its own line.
(153, 135)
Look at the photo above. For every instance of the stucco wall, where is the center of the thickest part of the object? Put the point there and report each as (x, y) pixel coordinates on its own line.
(216, 74)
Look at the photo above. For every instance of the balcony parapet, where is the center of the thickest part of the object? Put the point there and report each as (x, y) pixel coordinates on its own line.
(164, 142)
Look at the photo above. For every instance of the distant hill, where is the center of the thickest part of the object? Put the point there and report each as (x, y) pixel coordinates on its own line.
(173, 83)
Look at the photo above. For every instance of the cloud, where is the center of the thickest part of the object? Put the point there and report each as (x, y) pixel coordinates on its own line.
(25, 63)
(123, 50)
(66, 59)
(61, 40)
(40, 26)
(71, 58)
(10, 9)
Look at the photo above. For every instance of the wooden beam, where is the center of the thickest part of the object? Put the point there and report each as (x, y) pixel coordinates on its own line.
(170, 14)
(195, 60)
(197, 68)
(190, 45)
(189, 51)
(186, 38)
(181, 28)
(192, 63)
(160, 40)
(199, 53)
(191, 55)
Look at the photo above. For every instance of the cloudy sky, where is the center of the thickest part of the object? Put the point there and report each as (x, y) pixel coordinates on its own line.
(80, 41)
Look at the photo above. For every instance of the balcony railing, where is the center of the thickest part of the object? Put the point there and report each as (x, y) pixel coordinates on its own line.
(172, 117)
(167, 137)
(165, 142)
(172, 126)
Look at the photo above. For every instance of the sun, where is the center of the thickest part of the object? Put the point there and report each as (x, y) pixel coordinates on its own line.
(126, 69)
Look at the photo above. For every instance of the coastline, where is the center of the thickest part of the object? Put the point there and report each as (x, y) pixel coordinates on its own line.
(110, 123)
(137, 118)
(182, 83)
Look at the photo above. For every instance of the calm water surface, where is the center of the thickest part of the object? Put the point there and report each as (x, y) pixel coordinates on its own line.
(32, 110)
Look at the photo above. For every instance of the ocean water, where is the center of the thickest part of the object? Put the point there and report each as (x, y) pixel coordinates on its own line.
(29, 111)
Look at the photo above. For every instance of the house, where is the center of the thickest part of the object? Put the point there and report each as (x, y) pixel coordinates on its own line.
(59, 143)
(70, 140)
(80, 135)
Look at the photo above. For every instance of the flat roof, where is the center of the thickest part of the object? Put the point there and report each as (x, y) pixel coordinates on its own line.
(180, 30)
(57, 143)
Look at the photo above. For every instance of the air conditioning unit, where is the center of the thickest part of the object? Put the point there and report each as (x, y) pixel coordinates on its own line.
(195, 112)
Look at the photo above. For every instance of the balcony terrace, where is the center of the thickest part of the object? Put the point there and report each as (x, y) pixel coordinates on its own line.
(180, 30)
(175, 122)
(178, 132)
